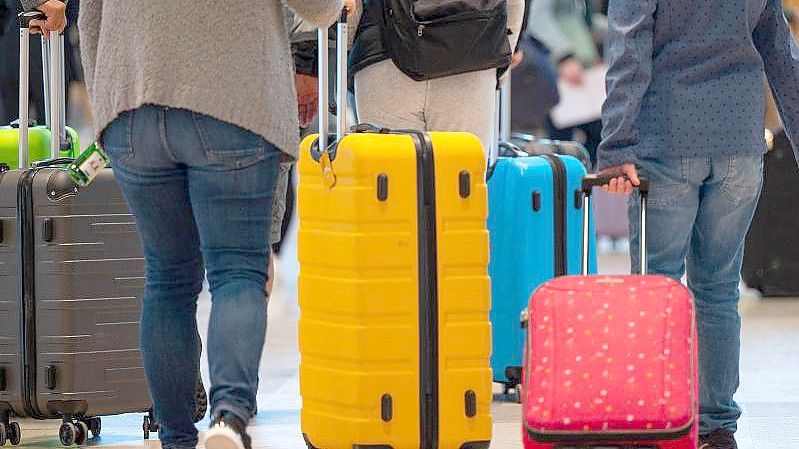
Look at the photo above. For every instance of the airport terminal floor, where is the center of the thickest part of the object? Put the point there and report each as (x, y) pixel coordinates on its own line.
(769, 392)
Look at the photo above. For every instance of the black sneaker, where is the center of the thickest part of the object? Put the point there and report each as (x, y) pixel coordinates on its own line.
(227, 431)
(718, 439)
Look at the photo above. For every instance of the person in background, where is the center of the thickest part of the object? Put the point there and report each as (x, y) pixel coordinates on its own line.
(196, 119)
(386, 96)
(685, 109)
(563, 26)
(9, 69)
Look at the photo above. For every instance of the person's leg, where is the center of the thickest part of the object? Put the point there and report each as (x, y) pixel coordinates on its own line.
(156, 190)
(727, 205)
(387, 97)
(672, 209)
(464, 102)
(232, 175)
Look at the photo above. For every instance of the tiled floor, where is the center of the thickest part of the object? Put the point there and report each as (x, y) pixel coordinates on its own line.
(769, 392)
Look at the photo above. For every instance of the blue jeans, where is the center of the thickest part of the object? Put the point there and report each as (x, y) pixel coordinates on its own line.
(201, 192)
(699, 212)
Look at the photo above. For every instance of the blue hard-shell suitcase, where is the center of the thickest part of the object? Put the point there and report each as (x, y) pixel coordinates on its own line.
(535, 224)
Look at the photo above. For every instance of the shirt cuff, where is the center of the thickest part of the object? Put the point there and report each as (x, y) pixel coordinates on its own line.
(607, 158)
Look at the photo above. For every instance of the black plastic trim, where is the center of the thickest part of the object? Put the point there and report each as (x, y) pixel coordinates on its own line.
(470, 403)
(536, 201)
(428, 291)
(28, 288)
(382, 187)
(386, 408)
(50, 376)
(559, 188)
(464, 184)
(476, 445)
(47, 230)
(60, 186)
(592, 437)
(578, 199)
(3, 378)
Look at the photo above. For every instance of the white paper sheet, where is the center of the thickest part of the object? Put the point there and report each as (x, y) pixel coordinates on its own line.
(580, 104)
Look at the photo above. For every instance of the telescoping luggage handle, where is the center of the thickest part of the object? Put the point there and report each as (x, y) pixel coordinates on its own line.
(342, 40)
(591, 181)
(54, 87)
(502, 126)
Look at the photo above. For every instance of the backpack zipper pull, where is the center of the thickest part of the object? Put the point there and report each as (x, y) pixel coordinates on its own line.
(420, 30)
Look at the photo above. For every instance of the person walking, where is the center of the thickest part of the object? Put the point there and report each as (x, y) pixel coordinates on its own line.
(196, 116)
(389, 97)
(685, 108)
(563, 27)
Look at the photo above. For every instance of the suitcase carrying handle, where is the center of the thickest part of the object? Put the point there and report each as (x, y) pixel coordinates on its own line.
(54, 87)
(342, 40)
(591, 181)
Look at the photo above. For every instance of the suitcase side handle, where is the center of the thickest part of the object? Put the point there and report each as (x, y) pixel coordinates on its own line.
(342, 41)
(54, 88)
(591, 181)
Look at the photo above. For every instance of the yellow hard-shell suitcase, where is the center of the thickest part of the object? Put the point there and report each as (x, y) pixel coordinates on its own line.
(394, 292)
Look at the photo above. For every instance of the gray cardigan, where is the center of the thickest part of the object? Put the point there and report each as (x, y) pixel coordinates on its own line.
(686, 78)
(228, 59)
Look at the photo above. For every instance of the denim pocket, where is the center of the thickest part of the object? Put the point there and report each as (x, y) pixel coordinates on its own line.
(227, 144)
(744, 179)
(117, 138)
(668, 179)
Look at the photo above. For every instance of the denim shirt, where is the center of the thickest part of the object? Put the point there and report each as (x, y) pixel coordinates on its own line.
(686, 78)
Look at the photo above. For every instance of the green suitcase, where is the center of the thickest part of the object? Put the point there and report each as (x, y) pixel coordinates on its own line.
(38, 144)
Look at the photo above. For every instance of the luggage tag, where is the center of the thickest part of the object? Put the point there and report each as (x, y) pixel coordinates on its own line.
(328, 175)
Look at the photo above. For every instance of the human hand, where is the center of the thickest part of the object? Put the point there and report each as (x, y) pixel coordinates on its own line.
(517, 59)
(307, 98)
(626, 178)
(350, 5)
(572, 71)
(55, 12)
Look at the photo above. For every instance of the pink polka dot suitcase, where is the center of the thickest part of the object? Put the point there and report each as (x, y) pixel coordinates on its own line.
(611, 362)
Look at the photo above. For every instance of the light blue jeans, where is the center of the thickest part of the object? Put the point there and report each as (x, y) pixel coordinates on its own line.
(699, 212)
(201, 192)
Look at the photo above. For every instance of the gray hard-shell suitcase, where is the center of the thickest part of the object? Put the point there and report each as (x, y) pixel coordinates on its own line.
(73, 272)
(71, 282)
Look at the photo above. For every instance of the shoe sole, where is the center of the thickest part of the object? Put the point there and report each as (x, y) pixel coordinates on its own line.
(222, 438)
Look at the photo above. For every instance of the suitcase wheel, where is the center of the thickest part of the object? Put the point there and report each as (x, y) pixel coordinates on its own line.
(149, 425)
(83, 433)
(14, 434)
(68, 433)
(95, 426)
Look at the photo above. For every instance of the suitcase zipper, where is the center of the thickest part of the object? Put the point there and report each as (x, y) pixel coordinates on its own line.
(559, 189)
(428, 292)
(28, 322)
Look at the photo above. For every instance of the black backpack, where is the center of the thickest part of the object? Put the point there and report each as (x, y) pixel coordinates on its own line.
(430, 39)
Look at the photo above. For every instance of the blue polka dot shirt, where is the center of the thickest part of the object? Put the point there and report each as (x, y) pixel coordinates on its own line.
(686, 78)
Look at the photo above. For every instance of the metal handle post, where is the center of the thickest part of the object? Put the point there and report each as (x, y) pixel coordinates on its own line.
(591, 181)
(324, 87)
(24, 94)
(342, 41)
